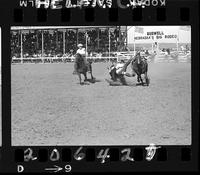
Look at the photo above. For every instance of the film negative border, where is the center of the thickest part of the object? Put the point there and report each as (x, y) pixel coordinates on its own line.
(167, 158)
(127, 159)
(90, 15)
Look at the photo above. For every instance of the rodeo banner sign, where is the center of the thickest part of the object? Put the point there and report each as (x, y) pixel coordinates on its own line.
(158, 35)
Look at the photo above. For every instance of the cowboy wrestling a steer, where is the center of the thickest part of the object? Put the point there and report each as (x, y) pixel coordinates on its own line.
(118, 71)
(139, 66)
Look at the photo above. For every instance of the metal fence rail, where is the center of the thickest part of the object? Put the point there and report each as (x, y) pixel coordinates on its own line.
(59, 59)
(180, 57)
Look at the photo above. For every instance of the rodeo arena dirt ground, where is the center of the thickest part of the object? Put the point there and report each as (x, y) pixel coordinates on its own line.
(50, 107)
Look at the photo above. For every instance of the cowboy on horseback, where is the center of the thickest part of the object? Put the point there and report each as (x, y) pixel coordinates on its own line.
(81, 65)
(82, 52)
(140, 66)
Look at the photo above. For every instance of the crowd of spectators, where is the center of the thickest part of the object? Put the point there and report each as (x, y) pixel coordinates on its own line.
(53, 45)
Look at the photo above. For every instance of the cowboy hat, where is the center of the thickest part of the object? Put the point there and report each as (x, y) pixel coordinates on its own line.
(80, 45)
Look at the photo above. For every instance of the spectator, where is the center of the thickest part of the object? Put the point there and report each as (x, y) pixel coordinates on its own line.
(168, 51)
(147, 52)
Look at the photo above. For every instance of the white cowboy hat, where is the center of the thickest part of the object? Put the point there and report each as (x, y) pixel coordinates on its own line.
(80, 45)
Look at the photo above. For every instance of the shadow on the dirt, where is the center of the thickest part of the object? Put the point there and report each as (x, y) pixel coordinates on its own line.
(94, 80)
(118, 83)
(89, 81)
(140, 84)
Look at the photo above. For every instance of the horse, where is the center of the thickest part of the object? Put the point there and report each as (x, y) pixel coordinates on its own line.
(140, 66)
(82, 67)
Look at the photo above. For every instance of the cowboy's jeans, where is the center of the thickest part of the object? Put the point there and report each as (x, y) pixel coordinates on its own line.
(113, 74)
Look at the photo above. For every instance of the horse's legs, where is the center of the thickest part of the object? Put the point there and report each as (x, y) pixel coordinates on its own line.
(79, 76)
(146, 79)
(85, 75)
(91, 75)
(138, 78)
(141, 80)
(89, 69)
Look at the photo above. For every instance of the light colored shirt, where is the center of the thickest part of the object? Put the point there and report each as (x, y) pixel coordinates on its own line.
(81, 51)
(119, 67)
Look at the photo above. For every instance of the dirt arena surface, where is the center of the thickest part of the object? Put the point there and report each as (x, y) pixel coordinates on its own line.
(49, 107)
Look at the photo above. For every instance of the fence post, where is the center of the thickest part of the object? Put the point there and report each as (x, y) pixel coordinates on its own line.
(21, 45)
